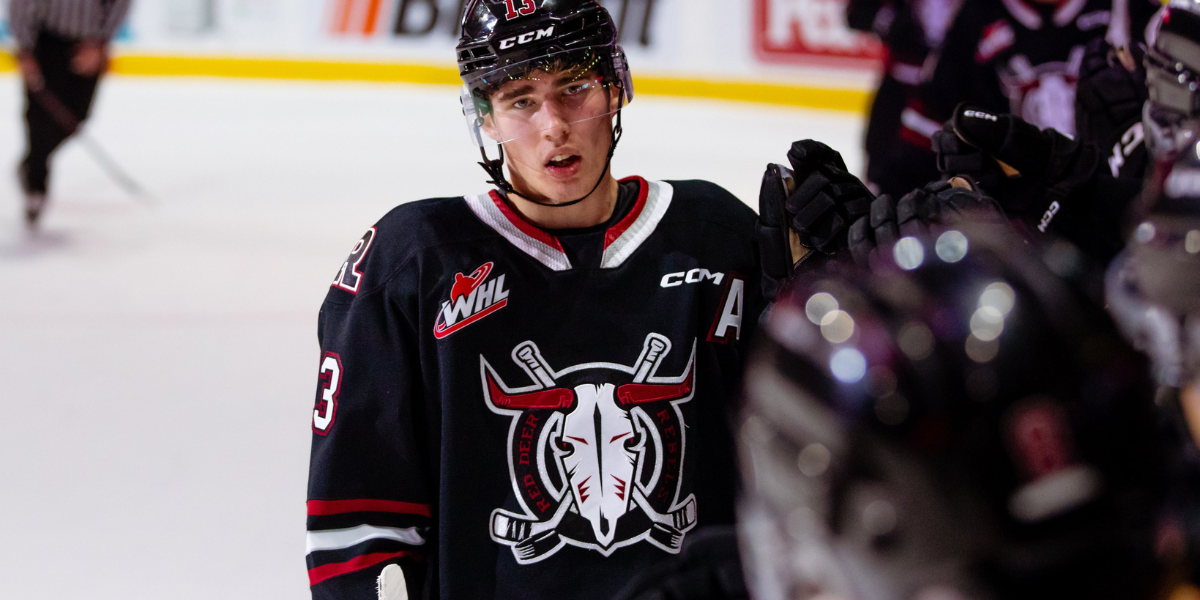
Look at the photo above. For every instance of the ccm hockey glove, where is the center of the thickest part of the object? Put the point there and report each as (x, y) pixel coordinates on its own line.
(1109, 99)
(1046, 169)
(806, 210)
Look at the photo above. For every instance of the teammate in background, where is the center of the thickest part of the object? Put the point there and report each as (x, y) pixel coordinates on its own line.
(1059, 186)
(911, 30)
(523, 393)
(946, 425)
(1008, 56)
(62, 49)
(1153, 290)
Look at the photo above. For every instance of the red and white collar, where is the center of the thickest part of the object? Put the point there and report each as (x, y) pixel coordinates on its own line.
(1029, 17)
(620, 241)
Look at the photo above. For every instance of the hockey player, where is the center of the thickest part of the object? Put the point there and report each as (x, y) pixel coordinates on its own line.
(1077, 188)
(954, 423)
(911, 30)
(1152, 290)
(523, 393)
(62, 52)
(1005, 56)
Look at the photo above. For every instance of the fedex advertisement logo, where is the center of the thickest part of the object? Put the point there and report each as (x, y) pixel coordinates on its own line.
(811, 31)
(472, 297)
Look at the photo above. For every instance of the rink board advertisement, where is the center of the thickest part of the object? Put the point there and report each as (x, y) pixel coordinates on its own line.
(713, 45)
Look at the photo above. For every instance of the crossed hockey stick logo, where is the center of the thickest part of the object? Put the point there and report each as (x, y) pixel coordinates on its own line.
(597, 464)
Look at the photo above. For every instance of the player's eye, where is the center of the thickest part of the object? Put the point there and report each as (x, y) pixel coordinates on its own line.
(521, 103)
(577, 88)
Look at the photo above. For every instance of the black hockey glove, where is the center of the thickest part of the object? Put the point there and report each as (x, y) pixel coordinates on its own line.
(956, 158)
(939, 204)
(1045, 169)
(806, 210)
(1108, 97)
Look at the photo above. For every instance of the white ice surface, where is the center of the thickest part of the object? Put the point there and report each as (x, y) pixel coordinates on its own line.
(158, 363)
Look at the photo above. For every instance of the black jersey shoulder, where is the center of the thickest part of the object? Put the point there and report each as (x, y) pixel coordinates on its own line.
(706, 200)
(403, 233)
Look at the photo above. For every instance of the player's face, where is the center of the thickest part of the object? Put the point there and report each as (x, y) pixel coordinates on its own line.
(556, 129)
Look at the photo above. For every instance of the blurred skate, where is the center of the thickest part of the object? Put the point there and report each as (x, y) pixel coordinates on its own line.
(34, 203)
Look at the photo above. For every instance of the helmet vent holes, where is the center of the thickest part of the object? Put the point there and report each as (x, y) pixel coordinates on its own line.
(909, 253)
(915, 341)
(1191, 242)
(848, 365)
(879, 518)
(837, 327)
(820, 305)
(999, 296)
(952, 246)
(814, 460)
(982, 351)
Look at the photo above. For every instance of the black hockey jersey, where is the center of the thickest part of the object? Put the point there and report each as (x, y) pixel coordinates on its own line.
(1017, 57)
(503, 423)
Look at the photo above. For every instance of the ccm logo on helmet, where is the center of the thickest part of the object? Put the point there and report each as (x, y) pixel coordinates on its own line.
(525, 38)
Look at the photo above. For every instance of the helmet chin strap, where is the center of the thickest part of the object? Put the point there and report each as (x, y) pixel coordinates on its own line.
(495, 168)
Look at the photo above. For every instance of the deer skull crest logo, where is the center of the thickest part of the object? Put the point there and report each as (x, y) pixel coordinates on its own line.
(595, 453)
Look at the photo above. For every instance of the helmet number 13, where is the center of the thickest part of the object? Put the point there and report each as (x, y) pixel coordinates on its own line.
(527, 8)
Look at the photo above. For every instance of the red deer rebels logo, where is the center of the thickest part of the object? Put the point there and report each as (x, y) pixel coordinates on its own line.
(598, 464)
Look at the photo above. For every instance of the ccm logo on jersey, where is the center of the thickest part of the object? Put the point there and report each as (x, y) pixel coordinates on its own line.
(472, 297)
(525, 38)
(694, 276)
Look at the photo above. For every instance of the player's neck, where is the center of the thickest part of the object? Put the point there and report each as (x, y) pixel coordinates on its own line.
(594, 210)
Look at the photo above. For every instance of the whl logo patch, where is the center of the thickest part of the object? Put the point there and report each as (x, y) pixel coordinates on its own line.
(472, 297)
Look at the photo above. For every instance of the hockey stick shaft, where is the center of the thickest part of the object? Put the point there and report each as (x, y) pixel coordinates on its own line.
(71, 125)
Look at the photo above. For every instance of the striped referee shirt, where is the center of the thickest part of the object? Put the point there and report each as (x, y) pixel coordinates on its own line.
(72, 19)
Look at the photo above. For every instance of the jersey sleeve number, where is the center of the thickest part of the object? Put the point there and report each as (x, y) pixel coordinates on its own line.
(329, 382)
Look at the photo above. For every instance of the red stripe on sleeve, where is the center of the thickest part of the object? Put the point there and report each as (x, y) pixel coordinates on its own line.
(317, 508)
(318, 574)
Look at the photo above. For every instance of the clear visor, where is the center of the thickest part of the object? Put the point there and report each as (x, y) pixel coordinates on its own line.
(544, 96)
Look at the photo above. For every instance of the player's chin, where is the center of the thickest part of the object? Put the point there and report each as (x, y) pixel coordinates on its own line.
(561, 190)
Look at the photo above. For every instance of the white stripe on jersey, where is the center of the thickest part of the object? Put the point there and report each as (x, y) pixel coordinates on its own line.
(337, 539)
(658, 200)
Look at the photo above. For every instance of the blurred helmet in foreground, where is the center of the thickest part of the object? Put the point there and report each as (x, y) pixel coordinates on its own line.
(960, 426)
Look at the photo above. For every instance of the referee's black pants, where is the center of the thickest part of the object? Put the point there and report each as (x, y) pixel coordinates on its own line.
(45, 132)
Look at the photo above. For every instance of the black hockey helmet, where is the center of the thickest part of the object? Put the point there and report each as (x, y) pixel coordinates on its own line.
(508, 40)
(1172, 63)
(963, 426)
